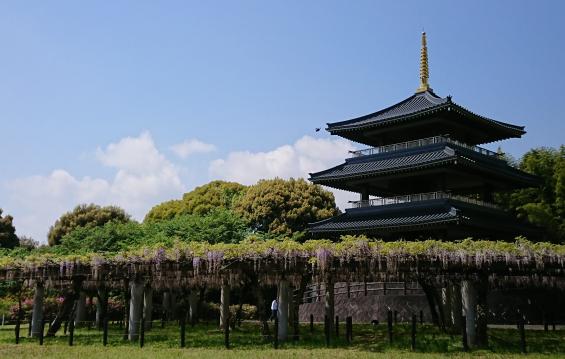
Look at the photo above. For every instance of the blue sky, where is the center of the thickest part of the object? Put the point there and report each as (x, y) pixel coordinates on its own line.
(133, 102)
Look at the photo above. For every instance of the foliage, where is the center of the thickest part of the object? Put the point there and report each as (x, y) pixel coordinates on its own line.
(218, 226)
(50, 307)
(543, 206)
(83, 215)
(28, 242)
(282, 207)
(321, 253)
(8, 238)
(112, 236)
(211, 311)
(201, 201)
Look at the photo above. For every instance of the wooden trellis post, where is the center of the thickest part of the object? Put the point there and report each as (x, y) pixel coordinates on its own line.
(337, 326)
(389, 326)
(413, 332)
(464, 333)
(182, 331)
(225, 312)
(126, 298)
(105, 333)
(41, 332)
(276, 334)
(329, 309)
(522, 331)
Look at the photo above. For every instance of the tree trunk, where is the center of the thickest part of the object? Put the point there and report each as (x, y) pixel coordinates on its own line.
(456, 309)
(148, 307)
(262, 311)
(482, 312)
(469, 302)
(193, 306)
(445, 295)
(126, 309)
(37, 316)
(283, 302)
(101, 307)
(224, 305)
(66, 308)
(80, 314)
(135, 309)
(431, 301)
(329, 309)
(296, 308)
(166, 305)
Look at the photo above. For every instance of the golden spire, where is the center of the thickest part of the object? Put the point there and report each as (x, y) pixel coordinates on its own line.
(424, 71)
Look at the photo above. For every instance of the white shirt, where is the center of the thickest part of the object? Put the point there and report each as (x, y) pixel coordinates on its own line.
(274, 305)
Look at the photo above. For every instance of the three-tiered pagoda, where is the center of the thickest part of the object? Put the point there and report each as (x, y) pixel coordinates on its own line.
(424, 174)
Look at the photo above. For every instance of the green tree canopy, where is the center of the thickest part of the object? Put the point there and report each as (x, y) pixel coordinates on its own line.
(84, 215)
(202, 200)
(8, 238)
(218, 226)
(282, 207)
(544, 206)
(112, 236)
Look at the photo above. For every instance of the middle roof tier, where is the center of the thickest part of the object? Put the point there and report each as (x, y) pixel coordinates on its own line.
(433, 165)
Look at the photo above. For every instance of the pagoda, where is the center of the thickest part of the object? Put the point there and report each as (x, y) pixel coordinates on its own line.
(424, 174)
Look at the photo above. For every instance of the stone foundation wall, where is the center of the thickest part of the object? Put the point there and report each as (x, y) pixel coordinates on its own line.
(504, 306)
(366, 308)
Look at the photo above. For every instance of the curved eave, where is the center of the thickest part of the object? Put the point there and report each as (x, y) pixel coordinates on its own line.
(460, 156)
(338, 128)
(326, 181)
(393, 223)
(421, 215)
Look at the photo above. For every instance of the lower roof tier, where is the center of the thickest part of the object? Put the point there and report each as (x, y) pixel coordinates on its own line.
(439, 218)
(438, 166)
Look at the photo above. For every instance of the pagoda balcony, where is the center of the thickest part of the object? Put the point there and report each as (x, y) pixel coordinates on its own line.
(420, 143)
(418, 197)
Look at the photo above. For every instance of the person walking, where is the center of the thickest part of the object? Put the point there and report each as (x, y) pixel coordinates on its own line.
(274, 309)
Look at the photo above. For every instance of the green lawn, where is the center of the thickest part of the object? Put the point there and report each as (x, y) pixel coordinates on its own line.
(205, 341)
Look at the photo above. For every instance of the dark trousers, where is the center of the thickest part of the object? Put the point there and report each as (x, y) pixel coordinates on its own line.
(273, 314)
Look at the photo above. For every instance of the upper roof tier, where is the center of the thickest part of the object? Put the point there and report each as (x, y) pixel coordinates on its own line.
(424, 114)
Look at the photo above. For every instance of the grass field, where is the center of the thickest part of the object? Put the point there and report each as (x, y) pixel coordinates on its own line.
(205, 341)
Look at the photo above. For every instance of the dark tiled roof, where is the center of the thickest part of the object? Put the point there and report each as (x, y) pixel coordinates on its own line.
(413, 106)
(345, 223)
(378, 164)
(390, 216)
(437, 213)
(417, 158)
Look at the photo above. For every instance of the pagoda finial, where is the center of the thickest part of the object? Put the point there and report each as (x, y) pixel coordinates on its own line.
(424, 70)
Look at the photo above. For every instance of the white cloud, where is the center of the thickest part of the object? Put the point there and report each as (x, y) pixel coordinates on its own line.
(143, 178)
(297, 160)
(192, 146)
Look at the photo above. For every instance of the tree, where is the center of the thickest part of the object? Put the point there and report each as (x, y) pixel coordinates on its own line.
(202, 200)
(8, 238)
(543, 206)
(112, 236)
(28, 242)
(218, 226)
(282, 206)
(84, 215)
